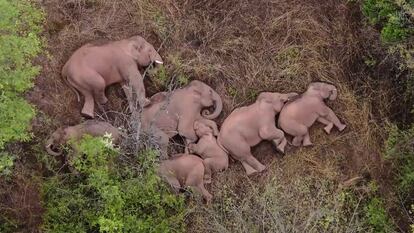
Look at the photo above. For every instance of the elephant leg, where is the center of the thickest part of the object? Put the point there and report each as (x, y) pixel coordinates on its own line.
(248, 168)
(297, 140)
(254, 163)
(300, 132)
(206, 195)
(275, 135)
(209, 167)
(195, 179)
(280, 144)
(100, 96)
(89, 105)
(328, 124)
(331, 116)
(161, 139)
(306, 140)
(174, 183)
(186, 130)
(137, 83)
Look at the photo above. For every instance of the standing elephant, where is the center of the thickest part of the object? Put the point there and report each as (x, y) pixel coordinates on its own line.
(247, 126)
(215, 158)
(92, 68)
(170, 114)
(76, 132)
(297, 116)
(184, 170)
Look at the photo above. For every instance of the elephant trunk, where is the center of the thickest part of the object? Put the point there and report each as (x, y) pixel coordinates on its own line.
(218, 104)
(49, 149)
(334, 94)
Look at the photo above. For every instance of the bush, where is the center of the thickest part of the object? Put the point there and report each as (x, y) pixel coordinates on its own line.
(400, 150)
(21, 24)
(109, 195)
(377, 216)
(6, 164)
(390, 17)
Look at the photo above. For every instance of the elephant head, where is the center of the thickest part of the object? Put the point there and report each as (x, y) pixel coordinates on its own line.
(55, 140)
(324, 90)
(276, 100)
(142, 51)
(208, 97)
(205, 127)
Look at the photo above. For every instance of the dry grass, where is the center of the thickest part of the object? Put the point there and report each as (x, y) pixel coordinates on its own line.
(242, 48)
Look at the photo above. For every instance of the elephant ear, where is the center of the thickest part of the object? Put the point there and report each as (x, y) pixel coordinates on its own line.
(265, 97)
(135, 48)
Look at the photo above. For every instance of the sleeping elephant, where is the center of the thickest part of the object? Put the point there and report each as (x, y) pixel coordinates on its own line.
(184, 170)
(297, 116)
(170, 114)
(247, 126)
(92, 68)
(89, 127)
(215, 158)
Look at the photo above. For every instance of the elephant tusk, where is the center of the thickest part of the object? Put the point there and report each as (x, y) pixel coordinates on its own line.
(158, 62)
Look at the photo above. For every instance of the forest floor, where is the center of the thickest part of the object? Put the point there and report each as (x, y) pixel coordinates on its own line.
(242, 48)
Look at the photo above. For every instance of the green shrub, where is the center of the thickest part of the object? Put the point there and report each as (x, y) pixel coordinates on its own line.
(395, 29)
(377, 11)
(6, 164)
(20, 26)
(389, 15)
(109, 195)
(377, 216)
(399, 149)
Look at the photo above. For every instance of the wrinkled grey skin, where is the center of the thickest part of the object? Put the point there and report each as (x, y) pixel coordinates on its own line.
(167, 116)
(184, 170)
(89, 127)
(248, 126)
(92, 68)
(215, 158)
(297, 116)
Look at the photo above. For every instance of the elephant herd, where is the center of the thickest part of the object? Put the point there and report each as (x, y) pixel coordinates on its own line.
(184, 112)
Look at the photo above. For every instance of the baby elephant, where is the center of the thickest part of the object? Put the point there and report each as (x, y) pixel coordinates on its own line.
(185, 170)
(215, 158)
(90, 127)
(297, 116)
(248, 126)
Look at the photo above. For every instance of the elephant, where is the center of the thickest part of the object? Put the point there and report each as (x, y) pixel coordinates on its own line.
(248, 126)
(91, 127)
(169, 114)
(92, 68)
(298, 115)
(215, 158)
(184, 170)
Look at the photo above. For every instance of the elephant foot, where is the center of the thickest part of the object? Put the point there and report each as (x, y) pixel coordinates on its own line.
(281, 149)
(249, 169)
(328, 128)
(251, 172)
(102, 100)
(307, 143)
(296, 141)
(341, 127)
(87, 115)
